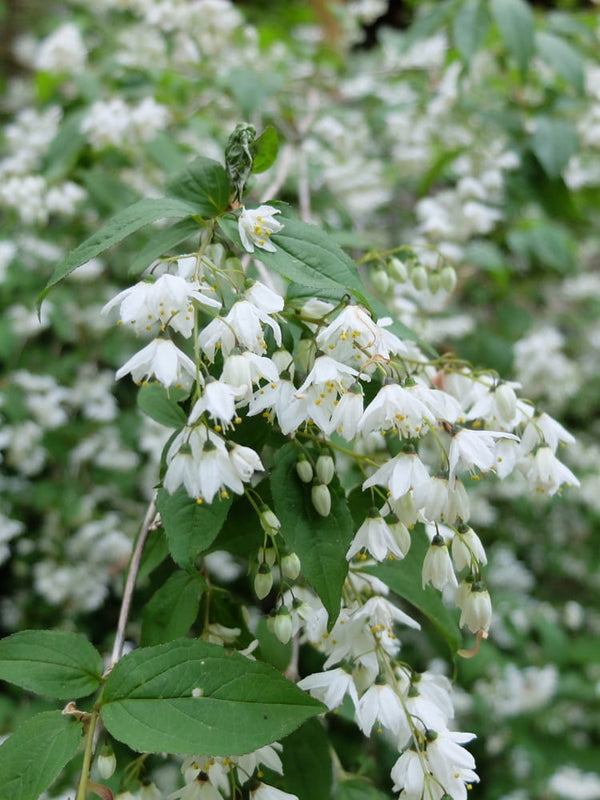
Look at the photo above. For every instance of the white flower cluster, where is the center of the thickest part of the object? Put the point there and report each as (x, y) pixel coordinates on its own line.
(117, 123)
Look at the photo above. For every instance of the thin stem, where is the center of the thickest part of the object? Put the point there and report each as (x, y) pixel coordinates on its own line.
(87, 756)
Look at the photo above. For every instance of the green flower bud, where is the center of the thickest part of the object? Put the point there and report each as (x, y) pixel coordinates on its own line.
(448, 278)
(325, 468)
(106, 762)
(282, 625)
(398, 270)
(267, 555)
(380, 280)
(263, 581)
(290, 566)
(304, 469)
(269, 521)
(434, 282)
(321, 499)
(418, 278)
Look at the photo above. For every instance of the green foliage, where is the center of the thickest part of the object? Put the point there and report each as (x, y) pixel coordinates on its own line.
(264, 150)
(553, 142)
(516, 23)
(205, 185)
(240, 704)
(470, 27)
(308, 745)
(173, 608)
(162, 404)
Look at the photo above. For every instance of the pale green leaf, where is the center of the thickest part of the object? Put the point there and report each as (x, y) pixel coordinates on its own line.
(161, 404)
(56, 664)
(33, 756)
(470, 27)
(264, 150)
(562, 57)
(553, 142)
(516, 23)
(189, 696)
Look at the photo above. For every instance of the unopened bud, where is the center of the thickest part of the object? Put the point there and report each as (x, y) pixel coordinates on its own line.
(321, 499)
(282, 625)
(263, 581)
(267, 555)
(400, 533)
(304, 469)
(325, 468)
(305, 354)
(106, 762)
(150, 792)
(290, 566)
(380, 280)
(448, 278)
(434, 282)
(506, 402)
(418, 278)
(269, 521)
(398, 270)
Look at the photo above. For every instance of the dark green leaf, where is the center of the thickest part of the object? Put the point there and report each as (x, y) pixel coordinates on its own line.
(162, 404)
(320, 542)
(553, 142)
(205, 184)
(562, 57)
(271, 650)
(33, 756)
(358, 789)
(155, 552)
(190, 527)
(172, 610)
(123, 224)
(404, 578)
(162, 242)
(515, 21)
(150, 703)
(470, 27)
(53, 663)
(426, 24)
(308, 745)
(264, 150)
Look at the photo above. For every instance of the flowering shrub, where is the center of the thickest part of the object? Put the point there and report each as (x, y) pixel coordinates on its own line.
(278, 544)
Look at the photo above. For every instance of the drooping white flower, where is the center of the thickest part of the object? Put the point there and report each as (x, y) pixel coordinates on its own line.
(162, 359)
(545, 472)
(255, 226)
(466, 548)
(375, 536)
(400, 474)
(380, 702)
(244, 369)
(218, 399)
(544, 429)
(264, 298)
(330, 687)
(396, 408)
(476, 608)
(441, 499)
(472, 448)
(347, 413)
(437, 565)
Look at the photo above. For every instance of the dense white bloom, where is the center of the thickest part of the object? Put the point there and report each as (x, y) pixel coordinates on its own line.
(162, 359)
(62, 51)
(255, 226)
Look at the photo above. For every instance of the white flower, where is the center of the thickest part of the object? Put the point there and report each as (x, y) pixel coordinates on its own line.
(255, 226)
(330, 687)
(476, 608)
(400, 474)
(247, 368)
(375, 536)
(467, 547)
(470, 448)
(380, 702)
(441, 499)
(264, 792)
(544, 428)
(219, 400)
(437, 565)
(197, 790)
(264, 298)
(545, 472)
(396, 408)
(347, 413)
(408, 776)
(162, 359)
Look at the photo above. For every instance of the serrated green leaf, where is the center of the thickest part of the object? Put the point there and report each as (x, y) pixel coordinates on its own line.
(320, 542)
(404, 578)
(123, 224)
(162, 404)
(562, 57)
(553, 142)
(516, 23)
(173, 608)
(242, 704)
(264, 149)
(164, 241)
(308, 745)
(205, 184)
(33, 756)
(470, 27)
(56, 664)
(190, 527)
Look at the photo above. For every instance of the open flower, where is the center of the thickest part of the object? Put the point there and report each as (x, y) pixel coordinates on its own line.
(256, 225)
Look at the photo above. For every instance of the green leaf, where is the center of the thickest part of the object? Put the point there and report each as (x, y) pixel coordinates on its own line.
(516, 23)
(162, 404)
(553, 143)
(562, 57)
(190, 527)
(164, 241)
(205, 184)
(271, 650)
(264, 150)
(404, 578)
(33, 756)
(243, 704)
(358, 789)
(108, 193)
(56, 664)
(308, 745)
(305, 254)
(550, 244)
(320, 542)
(155, 552)
(62, 150)
(123, 224)
(173, 609)
(470, 27)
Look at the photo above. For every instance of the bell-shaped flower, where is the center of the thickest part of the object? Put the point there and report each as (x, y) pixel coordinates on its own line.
(255, 226)
(163, 360)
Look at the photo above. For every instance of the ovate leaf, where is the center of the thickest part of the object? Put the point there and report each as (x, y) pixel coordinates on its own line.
(162, 404)
(470, 27)
(308, 745)
(320, 542)
(264, 149)
(515, 21)
(204, 183)
(162, 242)
(56, 664)
(189, 696)
(120, 226)
(173, 608)
(404, 578)
(33, 756)
(553, 142)
(562, 57)
(190, 527)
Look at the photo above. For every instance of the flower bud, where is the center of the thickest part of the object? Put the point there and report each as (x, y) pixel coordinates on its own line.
(304, 469)
(380, 280)
(476, 612)
(263, 581)
(400, 533)
(150, 792)
(282, 625)
(434, 282)
(321, 499)
(284, 361)
(267, 555)
(418, 278)
(506, 402)
(106, 762)
(269, 520)
(448, 278)
(290, 566)
(305, 354)
(398, 270)
(325, 467)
